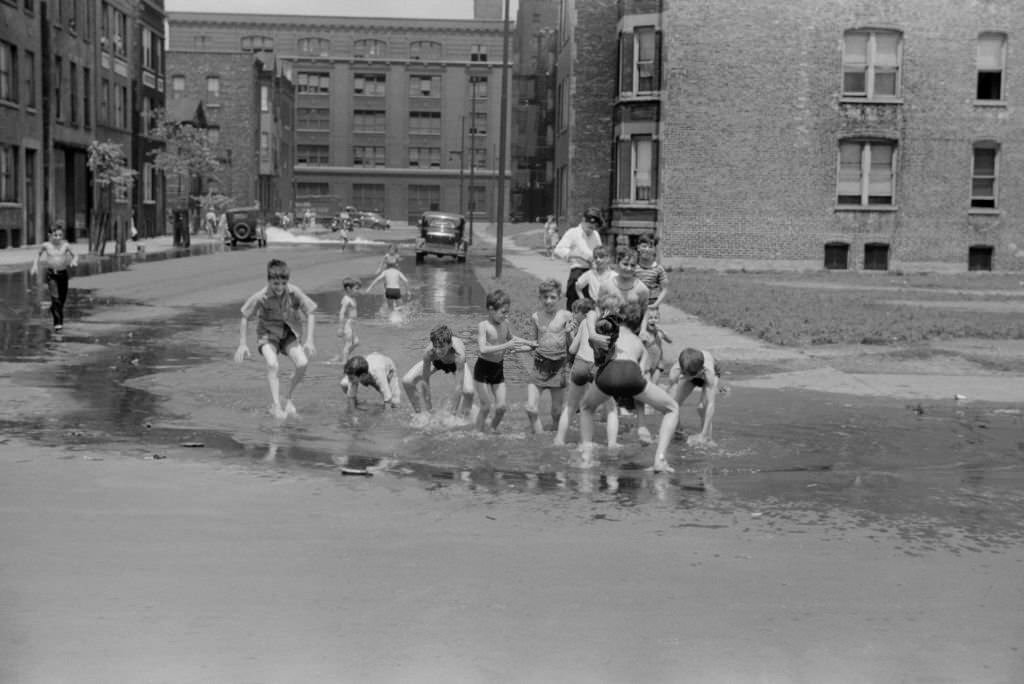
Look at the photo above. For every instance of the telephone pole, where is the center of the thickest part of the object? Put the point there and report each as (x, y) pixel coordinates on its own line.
(502, 144)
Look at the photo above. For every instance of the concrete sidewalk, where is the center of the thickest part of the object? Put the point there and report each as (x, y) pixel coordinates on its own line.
(814, 371)
(14, 258)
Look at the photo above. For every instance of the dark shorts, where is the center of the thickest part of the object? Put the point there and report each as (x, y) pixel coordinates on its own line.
(582, 372)
(489, 372)
(393, 292)
(281, 344)
(547, 373)
(621, 378)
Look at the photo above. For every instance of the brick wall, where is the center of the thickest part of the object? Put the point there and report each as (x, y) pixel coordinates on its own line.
(753, 117)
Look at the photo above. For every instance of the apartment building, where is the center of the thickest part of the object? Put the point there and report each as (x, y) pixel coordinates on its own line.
(396, 115)
(870, 135)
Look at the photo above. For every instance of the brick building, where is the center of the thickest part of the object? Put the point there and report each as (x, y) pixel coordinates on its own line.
(870, 135)
(385, 109)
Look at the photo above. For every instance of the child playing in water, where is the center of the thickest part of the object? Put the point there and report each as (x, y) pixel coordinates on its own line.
(445, 353)
(551, 326)
(696, 368)
(373, 370)
(391, 258)
(393, 281)
(56, 257)
(649, 271)
(589, 284)
(620, 374)
(494, 339)
(346, 316)
(280, 309)
(625, 283)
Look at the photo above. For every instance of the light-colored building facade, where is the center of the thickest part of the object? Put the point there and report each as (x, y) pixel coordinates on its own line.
(395, 115)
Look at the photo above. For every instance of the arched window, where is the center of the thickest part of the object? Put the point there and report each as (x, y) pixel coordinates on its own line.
(257, 44)
(314, 46)
(369, 47)
(424, 49)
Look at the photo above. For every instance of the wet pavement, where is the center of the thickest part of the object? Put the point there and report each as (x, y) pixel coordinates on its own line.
(925, 476)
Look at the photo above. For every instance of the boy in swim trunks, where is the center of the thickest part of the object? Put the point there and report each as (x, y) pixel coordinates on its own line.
(373, 370)
(56, 257)
(494, 339)
(696, 368)
(446, 353)
(551, 325)
(280, 308)
(621, 375)
(346, 316)
(393, 281)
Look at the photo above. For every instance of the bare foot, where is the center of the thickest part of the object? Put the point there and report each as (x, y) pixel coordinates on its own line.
(696, 440)
(278, 412)
(644, 435)
(559, 441)
(661, 466)
(289, 409)
(614, 445)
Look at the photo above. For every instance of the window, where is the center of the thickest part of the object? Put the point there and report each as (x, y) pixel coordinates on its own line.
(478, 199)
(213, 87)
(424, 198)
(104, 113)
(105, 26)
(368, 155)
(86, 97)
(147, 182)
(121, 106)
(876, 256)
(424, 86)
(425, 123)
(73, 86)
(119, 22)
(30, 6)
(369, 84)
(369, 196)
(314, 46)
(867, 173)
(312, 189)
(178, 86)
(478, 53)
(58, 88)
(479, 158)
(316, 82)
(213, 136)
(837, 256)
(368, 47)
(983, 175)
(979, 258)
(478, 87)
(312, 154)
(72, 15)
(29, 64)
(640, 60)
(264, 98)
(871, 64)
(424, 49)
(8, 173)
(315, 118)
(425, 157)
(145, 116)
(369, 121)
(991, 55)
(257, 44)
(637, 169)
(147, 49)
(8, 72)
(478, 124)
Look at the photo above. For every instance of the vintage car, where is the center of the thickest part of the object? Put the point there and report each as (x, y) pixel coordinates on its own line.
(246, 224)
(441, 234)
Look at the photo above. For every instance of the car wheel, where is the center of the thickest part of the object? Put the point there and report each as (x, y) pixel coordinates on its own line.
(242, 231)
(419, 257)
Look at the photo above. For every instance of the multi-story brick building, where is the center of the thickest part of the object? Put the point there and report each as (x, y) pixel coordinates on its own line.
(812, 134)
(380, 104)
(148, 88)
(69, 72)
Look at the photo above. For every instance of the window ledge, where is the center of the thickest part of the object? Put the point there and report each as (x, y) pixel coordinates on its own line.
(999, 104)
(212, 105)
(884, 208)
(845, 99)
(984, 211)
(10, 104)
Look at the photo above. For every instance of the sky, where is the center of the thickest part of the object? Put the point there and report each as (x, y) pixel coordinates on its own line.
(409, 9)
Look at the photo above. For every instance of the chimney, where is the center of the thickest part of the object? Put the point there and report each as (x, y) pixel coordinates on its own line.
(487, 9)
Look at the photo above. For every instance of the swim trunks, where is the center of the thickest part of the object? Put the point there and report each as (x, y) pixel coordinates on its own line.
(393, 292)
(281, 344)
(621, 378)
(446, 366)
(489, 372)
(582, 372)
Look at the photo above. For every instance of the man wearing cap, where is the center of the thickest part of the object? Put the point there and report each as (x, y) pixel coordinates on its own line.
(577, 246)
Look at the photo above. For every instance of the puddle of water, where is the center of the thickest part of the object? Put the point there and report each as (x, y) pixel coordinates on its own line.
(936, 475)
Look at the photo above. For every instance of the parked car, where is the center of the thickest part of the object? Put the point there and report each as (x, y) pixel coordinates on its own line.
(371, 219)
(246, 224)
(442, 234)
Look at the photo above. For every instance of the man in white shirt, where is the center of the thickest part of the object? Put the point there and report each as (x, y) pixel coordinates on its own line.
(577, 247)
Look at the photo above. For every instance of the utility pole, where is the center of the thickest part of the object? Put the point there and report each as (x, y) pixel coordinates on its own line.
(472, 153)
(462, 166)
(502, 144)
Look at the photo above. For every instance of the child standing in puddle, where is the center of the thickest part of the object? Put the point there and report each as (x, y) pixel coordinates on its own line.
(495, 338)
(56, 257)
(551, 325)
(393, 283)
(347, 313)
(280, 309)
(446, 353)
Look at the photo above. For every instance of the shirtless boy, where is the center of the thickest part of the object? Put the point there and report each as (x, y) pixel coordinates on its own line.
(494, 339)
(551, 324)
(393, 282)
(696, 368)
(346, 316)
(56, 257)
(446, 353)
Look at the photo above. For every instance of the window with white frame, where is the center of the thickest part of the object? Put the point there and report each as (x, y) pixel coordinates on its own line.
(424, 86)
(871, 64)
(425, 157)
(313, 82)
(314, 46)
(369, 47)
(213, 87)
(637, 169)
(478, 53)
(984, 173)
(991, 61)
(369, 84)
(368, 155)
(424, 49)
(867, 173)
(640, 60)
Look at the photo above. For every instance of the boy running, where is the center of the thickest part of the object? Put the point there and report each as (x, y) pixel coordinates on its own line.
(393, 282)
(446, 353)
(494, 339)
(280, 309)
(56, 257)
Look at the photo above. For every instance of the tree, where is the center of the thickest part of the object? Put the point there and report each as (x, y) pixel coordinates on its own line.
(110, 173)
(187, 154)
